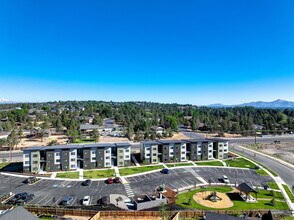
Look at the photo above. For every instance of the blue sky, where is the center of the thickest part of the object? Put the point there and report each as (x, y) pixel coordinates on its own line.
(196, 52)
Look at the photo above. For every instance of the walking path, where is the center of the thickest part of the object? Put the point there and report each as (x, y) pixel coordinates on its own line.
(81, 174)
(163, 165)
(192, 162)
(135, 161)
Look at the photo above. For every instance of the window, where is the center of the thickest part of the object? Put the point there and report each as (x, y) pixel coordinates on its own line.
(154, 148)
(147, 155)
(35, 168)
(127, 150)
(121, 163)
(93, 158)
(93, 152)
(147, 148)
(127, 156)
(27, 156)
(183, 158)
(154, 160)
(210, 151)
(58, 161)
(72, 159)
(72, 166)
(27, 162)
(209, 156)
(171, 147)
(154, 155)
(35, 162)
(107, 164)
(225, 150)
(183, 147)
(220, 151)
(121, 151)
(35, 155)
(107, 152)
(73, 153)
(121, 157)
(57, 154)
(107, 158)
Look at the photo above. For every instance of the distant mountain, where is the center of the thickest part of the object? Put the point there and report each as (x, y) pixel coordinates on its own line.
(5, 101)
(279, 103)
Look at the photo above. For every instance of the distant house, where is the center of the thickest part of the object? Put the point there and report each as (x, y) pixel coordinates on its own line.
(36, 131)
(88, 128)
(158, 130)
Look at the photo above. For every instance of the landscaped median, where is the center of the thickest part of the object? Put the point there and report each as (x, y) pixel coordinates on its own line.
(288, 191)
(136, 170)
(95, 174)
(210, 163)
(264, 197)
(69, 175)
(178, 165)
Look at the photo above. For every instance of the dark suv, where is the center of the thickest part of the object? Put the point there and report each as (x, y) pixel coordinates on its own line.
(86, 183)
(165, 171)
(21, 198)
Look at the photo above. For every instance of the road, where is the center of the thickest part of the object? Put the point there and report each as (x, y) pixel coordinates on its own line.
(15, 155)
(284, 171)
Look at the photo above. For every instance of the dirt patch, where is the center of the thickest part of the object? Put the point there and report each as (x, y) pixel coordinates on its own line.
(224, 202)
(284, 150)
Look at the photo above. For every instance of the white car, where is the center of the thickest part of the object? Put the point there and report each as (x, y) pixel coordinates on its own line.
(225, 179)
(86, 200)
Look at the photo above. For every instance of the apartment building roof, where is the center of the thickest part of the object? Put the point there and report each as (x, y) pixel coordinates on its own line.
(123, 144)
(196, 140)
(218, 139)
(75, 146)
(170, 141)
(149, 142)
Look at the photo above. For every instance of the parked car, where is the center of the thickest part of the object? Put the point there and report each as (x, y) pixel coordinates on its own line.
(165, 171)
(109, 180)
(86, 182)
(25, 198)
(21, 198)
(117, 180)
(67, 200)
(225, 179)
(30, 180)
(86, 200)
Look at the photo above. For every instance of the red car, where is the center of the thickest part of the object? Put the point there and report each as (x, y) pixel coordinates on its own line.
(109, 180)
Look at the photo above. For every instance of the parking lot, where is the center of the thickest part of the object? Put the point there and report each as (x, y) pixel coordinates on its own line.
(50, 192)
(185, 177)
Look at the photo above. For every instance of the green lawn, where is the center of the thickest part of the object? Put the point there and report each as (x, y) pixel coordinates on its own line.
(210, 163)
(135, 170)
(240, 162)
(273, 185)
(272, 172)
(261, 172)
(179, 164)
(184, 198)
(94, 174)
(70, 175)
(79, 141)
(266, 194)
(290, 194)
(288, 218)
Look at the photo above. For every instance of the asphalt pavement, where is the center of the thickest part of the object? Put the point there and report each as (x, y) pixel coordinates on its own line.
(285, 172)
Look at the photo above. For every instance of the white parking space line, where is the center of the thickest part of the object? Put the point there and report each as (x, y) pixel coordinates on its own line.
(36, 197)
(76, 184)
(146, 176)
(57, 201)
(173, 186)
(243, 172)
(73, 202)
(190, 181)
(49, 200)
(39, 202)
